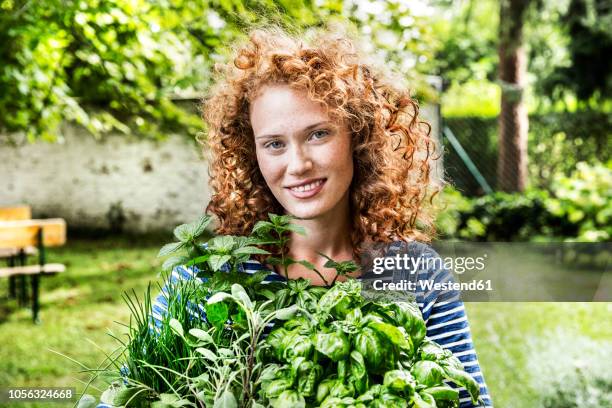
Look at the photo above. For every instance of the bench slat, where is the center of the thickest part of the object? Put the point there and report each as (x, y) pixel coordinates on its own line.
(22, 212)
(32, 270)
(24, 233)
(8, 252)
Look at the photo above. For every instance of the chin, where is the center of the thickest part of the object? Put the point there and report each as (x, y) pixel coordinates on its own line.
(305, 213)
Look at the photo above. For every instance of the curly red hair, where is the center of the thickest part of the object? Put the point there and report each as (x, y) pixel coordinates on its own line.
(392, 148)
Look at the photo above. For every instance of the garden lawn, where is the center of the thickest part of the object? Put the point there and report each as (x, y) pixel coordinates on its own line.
(77, 309)
(514, 341)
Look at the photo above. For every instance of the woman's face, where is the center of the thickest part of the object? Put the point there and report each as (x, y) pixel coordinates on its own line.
(305, 159)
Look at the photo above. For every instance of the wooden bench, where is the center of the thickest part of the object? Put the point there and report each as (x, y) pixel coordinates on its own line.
(16, 255)
(18, 235)
(17, 213)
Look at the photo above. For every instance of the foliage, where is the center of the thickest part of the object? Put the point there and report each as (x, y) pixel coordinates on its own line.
(468, 35)
(113, 65)
(471, 99)
(584, 199)
(93, 63)
(400, 34)
(567, 43)
(501, 217)
(577, 208)
(587, 73)
(558, 142)
(335, 349)
(342, 351)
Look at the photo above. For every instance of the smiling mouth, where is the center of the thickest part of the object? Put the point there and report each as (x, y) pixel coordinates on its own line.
(307, 187)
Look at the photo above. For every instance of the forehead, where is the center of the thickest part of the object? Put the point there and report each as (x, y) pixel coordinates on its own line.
(280, 109)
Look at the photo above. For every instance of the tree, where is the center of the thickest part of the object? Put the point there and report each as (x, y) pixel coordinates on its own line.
(513, 120)
(115, 65)
(587, 73)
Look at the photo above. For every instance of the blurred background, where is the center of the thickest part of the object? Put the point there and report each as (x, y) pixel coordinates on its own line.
(98, 126)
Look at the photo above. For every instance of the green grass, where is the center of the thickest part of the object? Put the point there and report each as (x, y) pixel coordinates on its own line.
(86, 300)
(78, 305)
(512, 340)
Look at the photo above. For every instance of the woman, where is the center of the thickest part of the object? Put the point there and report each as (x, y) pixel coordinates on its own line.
(314, 132)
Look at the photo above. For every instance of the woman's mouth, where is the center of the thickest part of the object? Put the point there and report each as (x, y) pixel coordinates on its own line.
(307, 190)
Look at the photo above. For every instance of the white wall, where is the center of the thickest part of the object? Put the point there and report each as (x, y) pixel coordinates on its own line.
(157, 185)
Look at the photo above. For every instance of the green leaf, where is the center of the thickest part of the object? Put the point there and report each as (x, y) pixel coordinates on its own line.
(262, 226)
(331, 298)
(226, 353)
(239, 319)
(288, 399)
(226, 400)
(240, 294)
(126, 394)
(274, 261)
(198, 227)
(176, 326)
(108, 396)
(198, 260)
(358, 367)
(219, 297)
(287, 312)
(181, 403)
(419, 402)
(217, 261)
(223, 243)
(276, 219)
(443, 393)
(258, 277)
(183, 233)
(201, 335)
(173, 261)
(166, 401)
(399, 381)
(161, 404)
(168, 398)
(250, 250)
(462, 378)
(334, 345)
(427, 373)
(207, 353)
(392, 333)
(170, 248)
(87, 401)
(268, 294)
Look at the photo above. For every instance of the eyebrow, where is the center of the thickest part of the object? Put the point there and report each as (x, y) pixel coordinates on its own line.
(306, 129)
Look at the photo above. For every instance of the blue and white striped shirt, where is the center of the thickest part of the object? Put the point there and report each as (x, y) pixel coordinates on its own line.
(446, 320)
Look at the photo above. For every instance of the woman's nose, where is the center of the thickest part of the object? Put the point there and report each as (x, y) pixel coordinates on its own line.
(299, 162)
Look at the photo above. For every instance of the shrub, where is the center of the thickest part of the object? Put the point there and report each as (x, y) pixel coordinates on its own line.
(577, 208)
(583, 199)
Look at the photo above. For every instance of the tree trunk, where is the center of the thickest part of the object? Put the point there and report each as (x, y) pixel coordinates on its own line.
(513, 120)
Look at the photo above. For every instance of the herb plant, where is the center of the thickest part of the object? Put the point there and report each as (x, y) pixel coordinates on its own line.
(231, 340)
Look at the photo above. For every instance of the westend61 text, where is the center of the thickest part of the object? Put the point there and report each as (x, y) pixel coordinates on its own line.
(428, 285)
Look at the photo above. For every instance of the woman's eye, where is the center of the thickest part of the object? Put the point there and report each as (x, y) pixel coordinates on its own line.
(319, 134)
(274, 145)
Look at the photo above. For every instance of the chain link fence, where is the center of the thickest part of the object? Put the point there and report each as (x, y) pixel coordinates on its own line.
(556, 143)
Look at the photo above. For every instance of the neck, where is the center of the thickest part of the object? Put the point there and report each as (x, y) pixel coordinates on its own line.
(329, 234)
